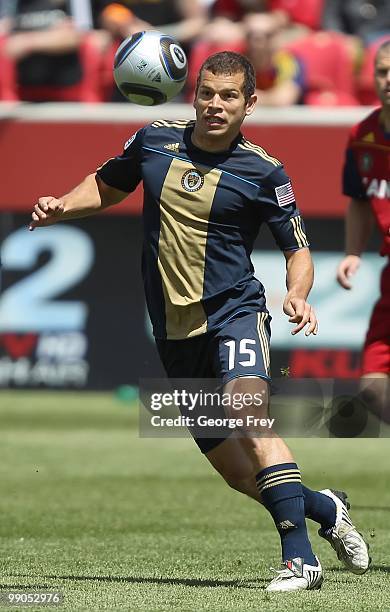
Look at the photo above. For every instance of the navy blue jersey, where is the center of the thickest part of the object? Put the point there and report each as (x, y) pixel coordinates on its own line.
(202, 212)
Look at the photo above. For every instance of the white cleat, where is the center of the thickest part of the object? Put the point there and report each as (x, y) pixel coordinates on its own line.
(296, 576)
(348, 543)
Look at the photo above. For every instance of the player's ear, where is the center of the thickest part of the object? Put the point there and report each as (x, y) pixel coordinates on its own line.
(195, 96)
(251, 104)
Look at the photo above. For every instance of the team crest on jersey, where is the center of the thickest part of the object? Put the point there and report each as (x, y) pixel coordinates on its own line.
(366, 162)
(192, 180)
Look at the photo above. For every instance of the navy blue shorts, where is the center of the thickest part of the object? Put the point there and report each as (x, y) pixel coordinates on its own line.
(240, 347)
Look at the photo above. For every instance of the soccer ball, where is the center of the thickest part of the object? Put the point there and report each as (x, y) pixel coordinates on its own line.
(150, 68)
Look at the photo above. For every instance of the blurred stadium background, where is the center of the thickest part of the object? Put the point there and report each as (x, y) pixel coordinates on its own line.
(72, 312)
(83, 509)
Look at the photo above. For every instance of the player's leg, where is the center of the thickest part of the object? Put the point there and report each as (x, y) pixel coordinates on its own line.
(230, 460)
(329, 508)
(375, 392)
(189, 363)
(243, 360)
(375, 381)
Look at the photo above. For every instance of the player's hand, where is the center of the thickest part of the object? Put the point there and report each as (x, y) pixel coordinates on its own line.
(47, 211)
(301, 313)
(347, 268)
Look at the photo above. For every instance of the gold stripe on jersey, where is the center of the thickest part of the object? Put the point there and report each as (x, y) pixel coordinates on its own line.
(299, 234)
(179, 123)
(302, 232)
(263, 339)
(260, 151)
(184, 217)
(296, 233)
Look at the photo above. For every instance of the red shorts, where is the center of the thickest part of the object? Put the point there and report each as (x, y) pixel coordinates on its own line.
(376, 352)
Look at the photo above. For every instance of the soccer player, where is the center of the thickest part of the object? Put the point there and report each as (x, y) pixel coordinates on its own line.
(367, 181)
(207, 191)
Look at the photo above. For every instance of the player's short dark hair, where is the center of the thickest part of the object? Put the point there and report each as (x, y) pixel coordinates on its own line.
(383, 47)
(229, 62)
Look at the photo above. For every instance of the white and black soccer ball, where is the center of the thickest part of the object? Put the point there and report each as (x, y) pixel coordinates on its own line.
(150, 68)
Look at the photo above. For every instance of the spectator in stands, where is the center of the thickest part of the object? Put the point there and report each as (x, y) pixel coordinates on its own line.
(182, 19)
(43, 40)
(235, 10)
(303, 12)
(226, 24)
(365, 20)
(279, 75)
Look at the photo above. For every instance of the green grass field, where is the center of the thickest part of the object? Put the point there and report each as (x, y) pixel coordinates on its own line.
(117, 522)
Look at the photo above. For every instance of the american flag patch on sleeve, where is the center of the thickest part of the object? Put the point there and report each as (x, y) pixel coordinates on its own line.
(285, 194)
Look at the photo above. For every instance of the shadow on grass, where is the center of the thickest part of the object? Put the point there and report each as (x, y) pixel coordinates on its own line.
(253, 583)
(344, 570)
(373, 508)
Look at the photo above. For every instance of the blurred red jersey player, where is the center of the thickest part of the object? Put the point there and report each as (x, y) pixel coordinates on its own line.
(367, 182)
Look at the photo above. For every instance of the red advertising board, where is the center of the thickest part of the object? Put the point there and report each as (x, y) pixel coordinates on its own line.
(48, 157)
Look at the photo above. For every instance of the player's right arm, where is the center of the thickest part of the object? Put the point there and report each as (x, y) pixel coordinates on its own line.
(359, 218)
(88, 198)
(358, 227)
(109, 185)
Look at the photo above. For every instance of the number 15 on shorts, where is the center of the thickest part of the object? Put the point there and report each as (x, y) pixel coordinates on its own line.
(243, 350)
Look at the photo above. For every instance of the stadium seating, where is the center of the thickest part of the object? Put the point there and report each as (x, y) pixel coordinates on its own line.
(87, 90)
(306, 12)
(329, 69)
(8, 89)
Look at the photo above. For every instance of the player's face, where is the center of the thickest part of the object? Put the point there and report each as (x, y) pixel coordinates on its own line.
(220, 109)
(382, 76)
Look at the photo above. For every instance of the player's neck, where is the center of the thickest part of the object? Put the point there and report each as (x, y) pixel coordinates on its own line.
(385, 118)
(211, 145)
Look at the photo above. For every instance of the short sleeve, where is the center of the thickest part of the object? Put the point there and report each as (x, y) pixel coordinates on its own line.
(352, 181)
(276, 201)
(124, 171)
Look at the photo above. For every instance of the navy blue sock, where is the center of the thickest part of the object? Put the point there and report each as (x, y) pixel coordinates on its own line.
(319, 508)
(281, 493)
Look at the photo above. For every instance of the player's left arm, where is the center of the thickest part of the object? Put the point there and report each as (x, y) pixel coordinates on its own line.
(299, 281)
(279, 210)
